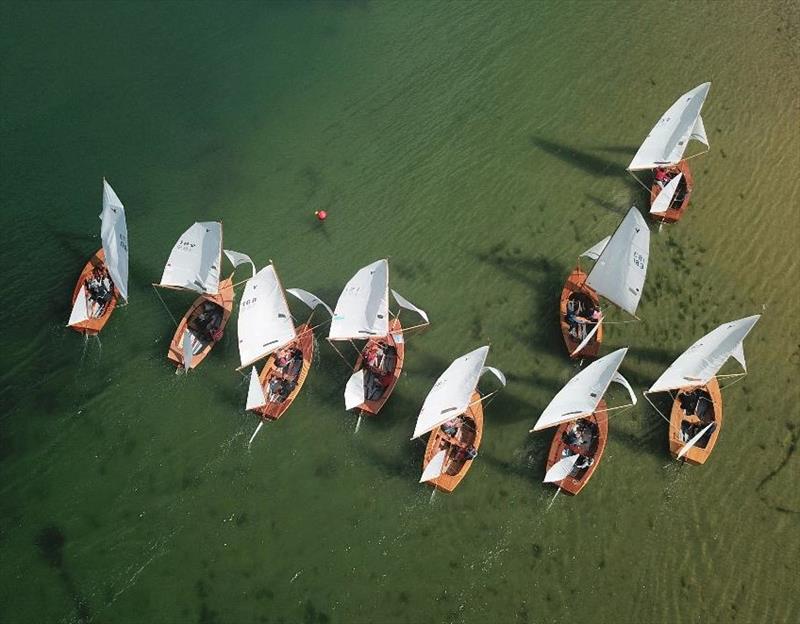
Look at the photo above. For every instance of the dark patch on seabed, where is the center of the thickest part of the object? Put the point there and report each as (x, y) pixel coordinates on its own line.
(50, 542)
(790, 450)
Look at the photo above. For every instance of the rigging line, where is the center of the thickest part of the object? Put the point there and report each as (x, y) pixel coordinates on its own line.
(165, 305)
(741, 376)
(635, 177)
(646, 396)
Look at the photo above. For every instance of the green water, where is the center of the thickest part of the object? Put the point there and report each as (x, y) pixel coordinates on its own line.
(481, 147)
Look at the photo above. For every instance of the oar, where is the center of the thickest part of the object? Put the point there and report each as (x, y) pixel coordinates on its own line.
(558, 491)
(253, 437)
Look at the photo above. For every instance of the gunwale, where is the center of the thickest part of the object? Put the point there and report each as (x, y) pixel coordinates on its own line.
(576, 283)
(695, 455)
(93, 326)
(395, 328)
(224, 298)
(304, 342)
(448, 482)
(571, 484)
(672, 215)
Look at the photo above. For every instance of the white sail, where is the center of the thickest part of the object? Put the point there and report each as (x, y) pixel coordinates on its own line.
(664, 198)
(561, 469)
(620, 271)
(617, 378)
(310, 299)
(80, 309)
(362, 310)
(496, 372)
(194, 261)
(405, 303)
(255, 393)
(450, 395)
(265, 323)
(667, 141)
(354, 390)
(114, 234)
(694, 440)
(700, 362)
(595, 250)
(186, 346)
(588, 337)
(237, 258)
(699, 131)
(580, 396)
(435, 467)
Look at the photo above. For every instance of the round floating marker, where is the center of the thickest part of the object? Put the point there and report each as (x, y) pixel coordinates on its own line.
(321, 215)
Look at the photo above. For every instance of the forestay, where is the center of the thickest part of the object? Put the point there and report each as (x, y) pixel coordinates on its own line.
(580, 396)
(194, 262)
(362, 310)
(620, 271)
(664, 199)
(265, 323)
(114, 234)
(700, 362)
(668, 139)
(450, 395)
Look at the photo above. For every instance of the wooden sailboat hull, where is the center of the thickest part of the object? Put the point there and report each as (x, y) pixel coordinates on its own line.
(699, 453)
(93, 326)
(576, 481)
(471, 434)
(676, 209)
(273, 410)
(224, 299)
(395, 329)
(576, 285)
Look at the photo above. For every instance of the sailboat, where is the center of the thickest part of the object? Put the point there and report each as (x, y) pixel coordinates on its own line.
(618, 275)
(692, 381)
(194, 265)
(581, 414)
(663, 151)
(362, 313)
(266, 329)
(104, 279)
(453, 413)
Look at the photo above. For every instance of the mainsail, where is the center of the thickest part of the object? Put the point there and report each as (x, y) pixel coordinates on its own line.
(194, 262)
(668, 139)
(362, 310)
(580, 396)
(450, 395)
(114, 234)
(621, 268)
(265, 323)
(700, 362)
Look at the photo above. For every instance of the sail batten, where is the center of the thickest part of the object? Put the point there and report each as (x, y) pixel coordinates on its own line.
(114, 234)
(362, 310)
(620, 271)
(265, 323)
(450, 395)
(667, 141)
(583, 392)
(700, 363)
(194, 262)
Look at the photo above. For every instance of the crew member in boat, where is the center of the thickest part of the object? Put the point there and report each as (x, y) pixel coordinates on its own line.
(584, 462)
(663, 176)
(451, 426)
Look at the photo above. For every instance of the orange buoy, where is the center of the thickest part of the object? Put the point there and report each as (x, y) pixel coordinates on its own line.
(321, 215)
